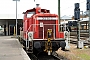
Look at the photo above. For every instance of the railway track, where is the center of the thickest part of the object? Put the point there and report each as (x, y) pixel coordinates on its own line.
(83, 36)
(75, 42)
(44, 56)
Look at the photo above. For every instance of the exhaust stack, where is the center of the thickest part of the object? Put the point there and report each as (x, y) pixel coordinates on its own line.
(37, 5)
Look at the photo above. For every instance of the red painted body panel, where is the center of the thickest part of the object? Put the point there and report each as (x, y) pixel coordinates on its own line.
(46, 27)
(32, 24)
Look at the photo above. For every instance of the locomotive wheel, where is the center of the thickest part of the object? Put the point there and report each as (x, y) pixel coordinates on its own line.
(62, 45)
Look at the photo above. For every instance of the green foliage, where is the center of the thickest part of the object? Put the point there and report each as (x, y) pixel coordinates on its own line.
(84, 56)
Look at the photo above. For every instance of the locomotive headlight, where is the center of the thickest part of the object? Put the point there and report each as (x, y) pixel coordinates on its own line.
(30, 36)
(65, 34)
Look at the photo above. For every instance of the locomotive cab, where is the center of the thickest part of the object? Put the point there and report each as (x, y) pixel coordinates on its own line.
(37, 23)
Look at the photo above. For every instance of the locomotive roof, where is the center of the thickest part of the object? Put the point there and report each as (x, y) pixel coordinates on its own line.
(32, 10)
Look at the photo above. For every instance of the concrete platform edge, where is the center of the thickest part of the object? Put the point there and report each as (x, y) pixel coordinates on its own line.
(23, 53)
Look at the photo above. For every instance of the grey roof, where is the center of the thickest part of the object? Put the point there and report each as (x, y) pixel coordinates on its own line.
(84, 19)
(66, 17)
(11, 16)
(81, 20)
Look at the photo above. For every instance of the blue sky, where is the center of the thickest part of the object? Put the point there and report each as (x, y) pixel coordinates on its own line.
(67, 6)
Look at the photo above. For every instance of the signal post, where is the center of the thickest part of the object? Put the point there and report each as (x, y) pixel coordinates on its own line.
(77, 17)
(88, 9)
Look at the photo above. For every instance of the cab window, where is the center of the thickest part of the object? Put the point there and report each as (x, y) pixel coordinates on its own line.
(29, 14)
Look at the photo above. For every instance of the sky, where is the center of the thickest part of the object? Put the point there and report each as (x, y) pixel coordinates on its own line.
(66, 6)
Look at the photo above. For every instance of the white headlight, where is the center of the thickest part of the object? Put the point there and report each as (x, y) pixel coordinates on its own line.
(65, 34)
(30, 36)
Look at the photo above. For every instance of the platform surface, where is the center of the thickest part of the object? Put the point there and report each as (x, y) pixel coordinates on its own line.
(11, 49)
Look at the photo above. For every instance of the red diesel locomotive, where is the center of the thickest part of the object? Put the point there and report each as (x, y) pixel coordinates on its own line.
(41, 31)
